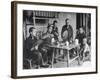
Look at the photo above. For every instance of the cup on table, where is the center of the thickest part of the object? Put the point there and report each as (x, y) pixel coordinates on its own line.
(67, 43)
(58, 44)
(76, 42)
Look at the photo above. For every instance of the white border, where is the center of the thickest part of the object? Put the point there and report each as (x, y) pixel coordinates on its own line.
(21, 72)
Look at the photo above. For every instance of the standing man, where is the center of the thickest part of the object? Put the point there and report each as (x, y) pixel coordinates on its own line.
(67, 31)
(56, 35)
(55, 30)
(67, 35)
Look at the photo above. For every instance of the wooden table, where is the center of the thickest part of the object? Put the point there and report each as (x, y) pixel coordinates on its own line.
(67, 48)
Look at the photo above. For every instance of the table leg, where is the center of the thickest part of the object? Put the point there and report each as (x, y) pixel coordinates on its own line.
(78, 57)
(53, 57)
(67, 58)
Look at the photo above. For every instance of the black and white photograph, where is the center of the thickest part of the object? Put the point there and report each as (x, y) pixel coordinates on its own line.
(56, 39)
(53, 39)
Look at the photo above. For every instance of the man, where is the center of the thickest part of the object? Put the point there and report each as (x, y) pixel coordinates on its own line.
(56, 35)
(44, 46)
(67, 31)
(32, 48)
(80, 36)
(67, 35)
(55, 30)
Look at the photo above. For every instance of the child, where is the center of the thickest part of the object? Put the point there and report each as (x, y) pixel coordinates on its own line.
(85, 50)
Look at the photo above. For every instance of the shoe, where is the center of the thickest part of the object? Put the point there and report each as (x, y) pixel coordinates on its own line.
(49, 62)
(46, 65)
(55, 61)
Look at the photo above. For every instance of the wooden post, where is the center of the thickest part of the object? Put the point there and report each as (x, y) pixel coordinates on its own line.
(34, 18)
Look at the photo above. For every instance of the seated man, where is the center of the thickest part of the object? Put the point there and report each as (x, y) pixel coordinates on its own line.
(80, 36)
(44, 46)
(32, 48)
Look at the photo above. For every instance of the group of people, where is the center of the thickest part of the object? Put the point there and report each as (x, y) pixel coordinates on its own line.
(38, 49)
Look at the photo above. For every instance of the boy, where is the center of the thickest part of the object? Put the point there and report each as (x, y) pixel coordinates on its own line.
(85, 51)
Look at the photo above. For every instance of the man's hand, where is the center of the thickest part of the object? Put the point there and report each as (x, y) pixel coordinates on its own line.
(32, 48)
(36, 47)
